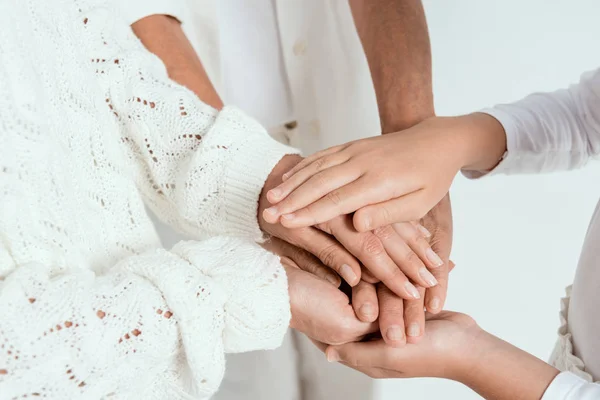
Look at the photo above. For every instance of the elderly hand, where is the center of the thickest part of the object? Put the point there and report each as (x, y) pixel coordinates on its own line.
(394, 255)
(321, 311)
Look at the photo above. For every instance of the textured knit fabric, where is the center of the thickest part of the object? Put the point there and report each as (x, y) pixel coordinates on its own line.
(91, 129)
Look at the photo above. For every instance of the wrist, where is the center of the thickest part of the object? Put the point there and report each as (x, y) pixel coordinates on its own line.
(483, 141)
(496, 369)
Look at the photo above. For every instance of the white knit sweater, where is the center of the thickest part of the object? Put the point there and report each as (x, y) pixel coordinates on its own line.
(91, 128)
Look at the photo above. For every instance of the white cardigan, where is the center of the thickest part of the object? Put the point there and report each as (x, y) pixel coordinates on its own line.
(91, 129)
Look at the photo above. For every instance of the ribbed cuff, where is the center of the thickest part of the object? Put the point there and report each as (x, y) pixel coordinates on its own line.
(255, 156)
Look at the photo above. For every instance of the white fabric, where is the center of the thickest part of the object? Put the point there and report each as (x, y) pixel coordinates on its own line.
(90, 306)
(252, 70)
(559, 131)
(333, 102)
(568, 386)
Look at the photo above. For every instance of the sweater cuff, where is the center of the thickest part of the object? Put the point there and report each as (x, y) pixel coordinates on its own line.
(255, 154)
(134, 10)
(563, 386)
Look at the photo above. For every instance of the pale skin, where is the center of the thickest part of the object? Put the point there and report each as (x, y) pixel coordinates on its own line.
(399, 256)
(454, 346)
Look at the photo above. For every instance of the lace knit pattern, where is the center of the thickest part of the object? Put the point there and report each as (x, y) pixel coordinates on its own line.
(92, 129)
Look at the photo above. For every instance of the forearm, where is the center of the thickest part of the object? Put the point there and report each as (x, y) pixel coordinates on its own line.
(500, 371)
(163, 36)
(396, 43)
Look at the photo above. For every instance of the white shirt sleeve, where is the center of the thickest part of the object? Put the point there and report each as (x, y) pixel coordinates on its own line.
(568, 386)
(555, 131)
(134, 10)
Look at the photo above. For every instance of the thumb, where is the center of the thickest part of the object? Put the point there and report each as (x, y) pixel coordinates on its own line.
(359, 354)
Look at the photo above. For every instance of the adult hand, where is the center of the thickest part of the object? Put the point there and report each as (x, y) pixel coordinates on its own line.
(302, 259)
(453, 347)
(390, 178)
(444, 351)
(321, 311)
(395, 255)
(438, 221)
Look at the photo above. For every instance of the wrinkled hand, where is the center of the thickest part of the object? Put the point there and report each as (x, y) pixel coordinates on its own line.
(394, 254)
(321, 311)
(385, 179)
(292, 255)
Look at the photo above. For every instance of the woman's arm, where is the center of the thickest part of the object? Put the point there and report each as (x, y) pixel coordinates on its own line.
(402, 175)
(199, 169)
(68, 333)
(455, 347)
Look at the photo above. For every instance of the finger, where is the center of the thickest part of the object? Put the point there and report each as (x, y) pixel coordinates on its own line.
(344, 200)
(327, 249)
(301, 193)
(312, 158)
(404, 257)
(364, 301)
(408, 207)
(415, 239)
(360, 354)
(367, 276)
(391, 317)
(435, 297)
(370, 251)
(317, 177)
(414, 318)
(309, 263)
(441, 242)
(322, 185)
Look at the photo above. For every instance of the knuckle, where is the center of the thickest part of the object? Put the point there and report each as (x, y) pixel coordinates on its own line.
(320, 163)
(385, 232)
(372, 246)
(328, 254)
(334, 197)
(411, 258)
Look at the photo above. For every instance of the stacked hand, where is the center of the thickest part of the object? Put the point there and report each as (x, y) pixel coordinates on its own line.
(399, 262)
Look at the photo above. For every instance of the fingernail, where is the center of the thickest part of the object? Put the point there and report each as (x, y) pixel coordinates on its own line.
(367, 310)
(427, 277)
(395, 333)
(288, 216)
(424, 231)
(348, 274)
(333, 279)
(333, 356)
(412, 290)
(284, 176)
(414, 330)
(434, 258)
(434, 304)
(276, 193)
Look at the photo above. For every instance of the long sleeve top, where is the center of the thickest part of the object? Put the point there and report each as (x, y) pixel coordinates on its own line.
(91, 130)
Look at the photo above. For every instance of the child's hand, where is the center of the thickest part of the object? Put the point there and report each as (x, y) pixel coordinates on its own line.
(391, 178)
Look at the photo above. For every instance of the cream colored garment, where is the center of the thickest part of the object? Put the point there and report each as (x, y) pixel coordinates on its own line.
(333, 102)
(92, 128)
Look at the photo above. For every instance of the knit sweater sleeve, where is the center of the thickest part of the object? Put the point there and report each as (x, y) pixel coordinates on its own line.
(155, 326)
(200, 170)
